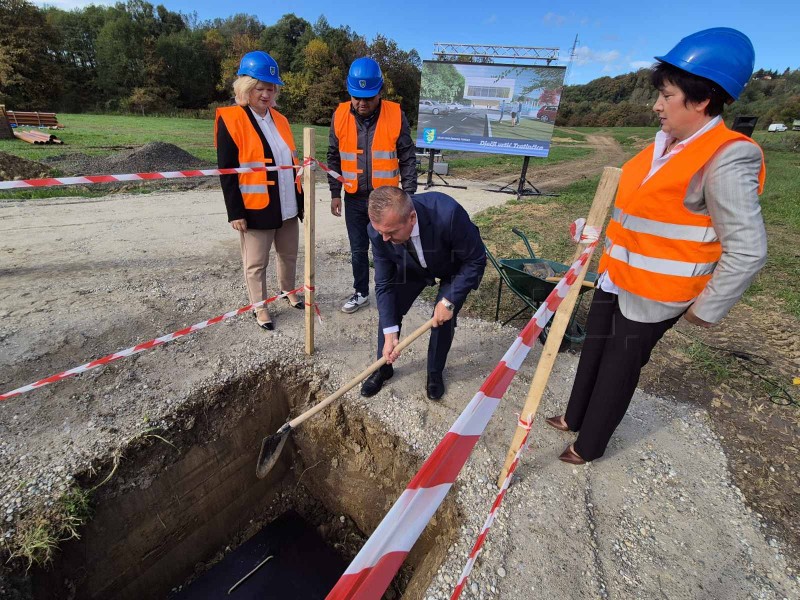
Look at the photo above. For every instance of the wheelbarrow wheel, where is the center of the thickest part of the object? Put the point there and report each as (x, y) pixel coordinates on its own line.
(575, 334)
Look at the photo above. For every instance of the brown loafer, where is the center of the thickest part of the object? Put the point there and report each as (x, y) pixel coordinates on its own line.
(570, 456)
(557, 423)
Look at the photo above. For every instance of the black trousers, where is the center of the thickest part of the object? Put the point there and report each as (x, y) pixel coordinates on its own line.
(441, 337)
(356, 219)
(612, 358)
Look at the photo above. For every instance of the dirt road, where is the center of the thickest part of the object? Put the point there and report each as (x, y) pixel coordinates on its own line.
(657, 517)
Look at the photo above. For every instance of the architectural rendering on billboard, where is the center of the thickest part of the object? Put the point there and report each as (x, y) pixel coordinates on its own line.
(497, 108)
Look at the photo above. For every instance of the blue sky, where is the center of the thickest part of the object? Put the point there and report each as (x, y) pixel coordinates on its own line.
(614, 37)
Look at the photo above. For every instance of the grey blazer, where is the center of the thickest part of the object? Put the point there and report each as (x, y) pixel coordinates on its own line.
(727, 189)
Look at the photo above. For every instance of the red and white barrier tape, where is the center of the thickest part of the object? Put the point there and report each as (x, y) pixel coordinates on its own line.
(159, 341)
(373, 569)
(473, 554)
(90, 179)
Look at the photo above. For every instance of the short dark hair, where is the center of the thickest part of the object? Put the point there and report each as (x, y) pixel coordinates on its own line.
(695, 88)
(388, 197)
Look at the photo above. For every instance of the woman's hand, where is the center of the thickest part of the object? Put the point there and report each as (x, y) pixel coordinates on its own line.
(239, 225)
(694, 319)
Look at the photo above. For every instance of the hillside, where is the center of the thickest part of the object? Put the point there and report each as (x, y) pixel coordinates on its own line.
(626, 100)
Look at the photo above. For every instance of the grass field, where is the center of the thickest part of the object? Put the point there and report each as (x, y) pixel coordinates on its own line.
(628, 137)
(461, 164)
(105, 134)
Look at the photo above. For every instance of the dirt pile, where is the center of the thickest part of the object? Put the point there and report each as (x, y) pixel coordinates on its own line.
(14, 167)
(152, 157)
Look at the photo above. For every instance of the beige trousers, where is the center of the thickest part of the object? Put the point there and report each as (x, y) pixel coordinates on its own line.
(255, 245)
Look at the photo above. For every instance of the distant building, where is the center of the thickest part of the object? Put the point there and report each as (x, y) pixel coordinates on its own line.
(488, 92)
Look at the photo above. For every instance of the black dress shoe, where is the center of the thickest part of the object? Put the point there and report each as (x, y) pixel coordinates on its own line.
(374, 382)
(298, 304)
(435, 386)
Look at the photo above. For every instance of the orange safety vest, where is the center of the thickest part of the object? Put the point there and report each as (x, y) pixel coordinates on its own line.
(251, 152)
(655, 247)
(385, 166)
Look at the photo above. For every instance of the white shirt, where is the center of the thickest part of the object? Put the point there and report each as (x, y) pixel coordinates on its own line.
(662, 142)
(418, 247)
(282, 155)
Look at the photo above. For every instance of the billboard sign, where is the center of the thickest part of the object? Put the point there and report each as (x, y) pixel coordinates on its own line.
(497, 108)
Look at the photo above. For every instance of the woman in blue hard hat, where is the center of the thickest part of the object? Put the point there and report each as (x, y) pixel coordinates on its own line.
(264, 207)
(686, 236)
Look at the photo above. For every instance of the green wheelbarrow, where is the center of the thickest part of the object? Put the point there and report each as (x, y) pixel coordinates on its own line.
(527, 278)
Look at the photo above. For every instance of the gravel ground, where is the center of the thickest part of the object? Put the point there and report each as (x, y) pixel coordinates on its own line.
(658, 517)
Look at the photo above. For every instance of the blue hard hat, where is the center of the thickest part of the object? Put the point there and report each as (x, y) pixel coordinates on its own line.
(721, 54)
(365, 78)
(260, 65)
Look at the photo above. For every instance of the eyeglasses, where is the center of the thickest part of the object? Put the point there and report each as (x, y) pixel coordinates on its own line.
(370, 99)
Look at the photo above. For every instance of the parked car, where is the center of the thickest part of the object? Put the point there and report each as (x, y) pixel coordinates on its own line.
(777, 127)
(432, 107)
(547, 114)
(796, 125)
(454, 106)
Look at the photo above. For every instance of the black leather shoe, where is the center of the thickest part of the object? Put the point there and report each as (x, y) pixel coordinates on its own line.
(374, 382)
(435, 386)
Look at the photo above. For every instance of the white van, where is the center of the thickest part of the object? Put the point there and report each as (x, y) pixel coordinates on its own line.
(778, 127)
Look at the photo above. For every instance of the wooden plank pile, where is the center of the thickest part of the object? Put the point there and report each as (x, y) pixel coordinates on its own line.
(35, 119)
(5, 127)
(37, 137)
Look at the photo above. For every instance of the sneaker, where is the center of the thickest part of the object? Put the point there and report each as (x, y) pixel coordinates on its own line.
(355, 302)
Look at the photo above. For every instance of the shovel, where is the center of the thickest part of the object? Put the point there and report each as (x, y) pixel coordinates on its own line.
(272, 445)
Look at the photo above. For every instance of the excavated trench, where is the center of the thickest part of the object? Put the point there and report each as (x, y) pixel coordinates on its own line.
(183, 513)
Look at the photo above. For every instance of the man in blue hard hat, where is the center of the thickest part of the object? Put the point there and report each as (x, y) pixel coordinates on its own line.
(370, 145)
(686, 236)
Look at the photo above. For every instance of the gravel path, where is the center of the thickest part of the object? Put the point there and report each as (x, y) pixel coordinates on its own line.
(658, 517)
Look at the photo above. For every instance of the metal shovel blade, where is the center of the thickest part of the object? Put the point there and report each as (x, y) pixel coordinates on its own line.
(271, 447)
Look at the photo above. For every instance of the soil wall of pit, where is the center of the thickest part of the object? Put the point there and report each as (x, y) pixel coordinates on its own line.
(178, 500)
(360, 470)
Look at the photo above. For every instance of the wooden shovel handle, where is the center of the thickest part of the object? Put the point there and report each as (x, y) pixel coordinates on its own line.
(360, 377)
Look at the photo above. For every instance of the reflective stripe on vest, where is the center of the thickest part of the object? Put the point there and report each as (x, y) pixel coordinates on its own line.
(385, 165)
(655, 247)
(690, 233)
(663, 266)
(253, 188)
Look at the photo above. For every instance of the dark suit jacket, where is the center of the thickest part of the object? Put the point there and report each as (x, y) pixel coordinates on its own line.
(453, 251)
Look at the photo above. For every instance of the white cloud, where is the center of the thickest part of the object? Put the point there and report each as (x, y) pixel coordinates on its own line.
(552, 18)
(585, 55)
(491, 20)
(71, 4)
(640, 64)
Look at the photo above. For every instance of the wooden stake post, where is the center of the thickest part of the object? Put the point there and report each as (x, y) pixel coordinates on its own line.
(603, 198)
(6, 133)
(308, 237)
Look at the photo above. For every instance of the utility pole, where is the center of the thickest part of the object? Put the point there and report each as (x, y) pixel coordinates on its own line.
(571, 59)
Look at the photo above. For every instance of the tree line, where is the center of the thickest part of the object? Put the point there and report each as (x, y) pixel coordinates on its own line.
(627, 100)
(137, 57)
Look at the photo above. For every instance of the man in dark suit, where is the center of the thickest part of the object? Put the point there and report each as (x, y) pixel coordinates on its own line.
(415, 241)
